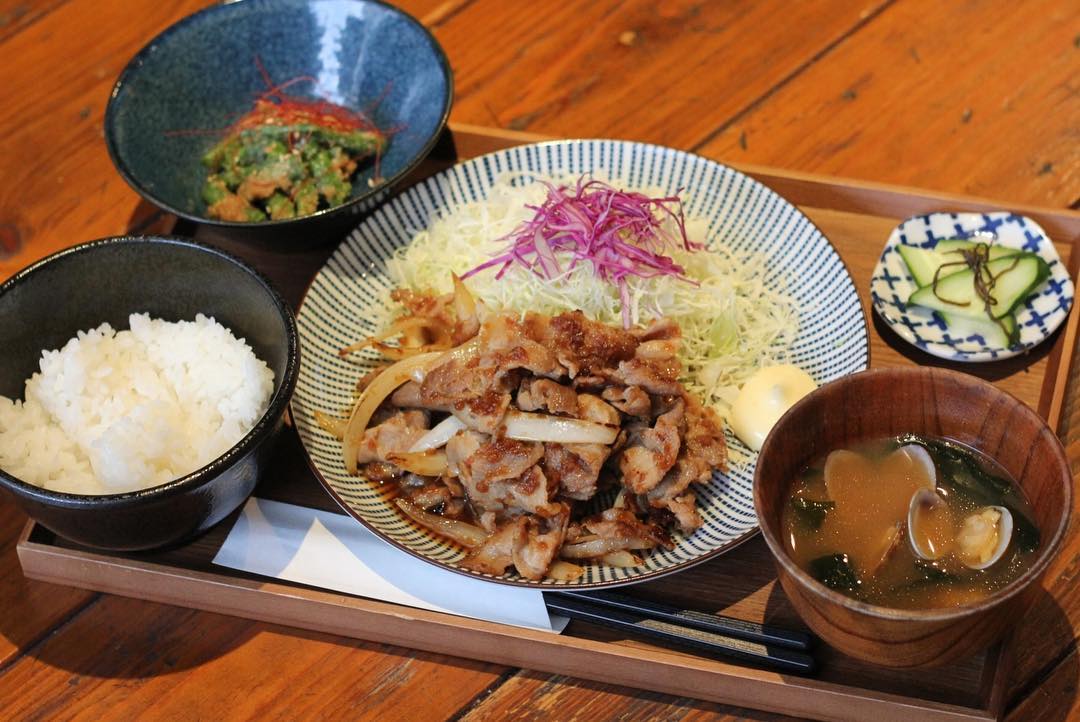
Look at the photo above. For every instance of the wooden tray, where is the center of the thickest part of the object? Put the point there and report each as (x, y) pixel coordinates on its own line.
(857, 218)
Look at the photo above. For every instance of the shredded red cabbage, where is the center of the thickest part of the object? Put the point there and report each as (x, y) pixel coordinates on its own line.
(622, 233)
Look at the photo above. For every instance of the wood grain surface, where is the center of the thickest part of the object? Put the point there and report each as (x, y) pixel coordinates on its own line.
(941, 91)
(968, 97)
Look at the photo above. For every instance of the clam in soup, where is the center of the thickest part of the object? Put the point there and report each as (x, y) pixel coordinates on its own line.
(909, 522)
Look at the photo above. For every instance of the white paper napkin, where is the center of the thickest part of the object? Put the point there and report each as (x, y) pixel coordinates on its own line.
(332, 551)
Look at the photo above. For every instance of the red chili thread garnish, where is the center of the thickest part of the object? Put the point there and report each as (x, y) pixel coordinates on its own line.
(274, 106)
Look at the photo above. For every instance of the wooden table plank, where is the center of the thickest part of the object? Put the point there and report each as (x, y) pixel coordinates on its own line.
(1055, 698)
(529, 695)
(974, 97)
(15, 15)
(30, 609)
(136, 659)
(665, 72)
(60, 187)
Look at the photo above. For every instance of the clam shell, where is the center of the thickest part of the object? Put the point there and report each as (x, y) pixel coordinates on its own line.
(889, 543)
(973, 537)
(919, 501)
(920, 457)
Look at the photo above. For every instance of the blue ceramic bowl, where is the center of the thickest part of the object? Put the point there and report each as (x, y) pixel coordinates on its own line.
(178, 94)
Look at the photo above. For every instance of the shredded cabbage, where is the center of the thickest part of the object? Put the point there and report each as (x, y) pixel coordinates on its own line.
(732, 321)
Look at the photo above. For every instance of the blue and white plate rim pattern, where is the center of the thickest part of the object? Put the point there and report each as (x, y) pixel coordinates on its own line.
(891, 283)
(834, 340)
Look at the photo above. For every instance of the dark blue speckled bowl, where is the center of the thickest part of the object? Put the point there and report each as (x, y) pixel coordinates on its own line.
(199, 75)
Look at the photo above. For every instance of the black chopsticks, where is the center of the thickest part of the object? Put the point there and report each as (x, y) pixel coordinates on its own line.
(781, 649)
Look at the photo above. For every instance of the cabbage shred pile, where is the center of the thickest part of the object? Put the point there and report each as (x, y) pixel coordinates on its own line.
(618, 232)
(535, 244)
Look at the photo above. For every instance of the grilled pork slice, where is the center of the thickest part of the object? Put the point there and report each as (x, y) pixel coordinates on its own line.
(506, 344)
(547, 395)
(500, 475)
(622, 527)
(497, 551)
(530, 544)
(501, 458)
(651, 452)
(408, 396)
(702, 451)
(459, 448)
(543, 539)
(575, 468)
(456, 379)
(484, 413)
(684, 508)
(582, 346)
(657, 376)
(593, 408)
(395, 435)
(631, 400)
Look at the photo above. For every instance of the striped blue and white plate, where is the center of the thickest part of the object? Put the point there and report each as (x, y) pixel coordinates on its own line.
(1038, 316)
(342, 305)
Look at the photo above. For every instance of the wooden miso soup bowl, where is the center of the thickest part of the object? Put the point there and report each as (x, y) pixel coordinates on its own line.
(932, 402)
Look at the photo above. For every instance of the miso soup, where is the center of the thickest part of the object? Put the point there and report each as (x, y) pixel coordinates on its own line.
(909, 522)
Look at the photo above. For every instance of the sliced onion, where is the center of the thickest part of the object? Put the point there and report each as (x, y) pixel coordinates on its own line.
(526, 426)
(463, 533)
(410, 328)
(424, 463)
(464, 304)
(600, 547)
(333, 425)
(564, 571)
(396, 353)
(439, 434)
(621, 558)
(460, 353)
(383, 385)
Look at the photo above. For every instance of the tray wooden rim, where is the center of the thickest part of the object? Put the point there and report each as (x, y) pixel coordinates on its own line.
(645, 668)
(371, 620)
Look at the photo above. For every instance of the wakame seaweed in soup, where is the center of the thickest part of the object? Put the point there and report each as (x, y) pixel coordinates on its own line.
(909, 522)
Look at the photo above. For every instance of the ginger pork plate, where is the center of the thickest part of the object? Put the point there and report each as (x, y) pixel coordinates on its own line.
(552, 365)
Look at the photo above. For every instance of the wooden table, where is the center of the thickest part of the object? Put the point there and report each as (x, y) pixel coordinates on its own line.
(974, 97)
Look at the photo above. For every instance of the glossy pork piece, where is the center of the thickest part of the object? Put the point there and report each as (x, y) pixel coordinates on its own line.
(552, 412)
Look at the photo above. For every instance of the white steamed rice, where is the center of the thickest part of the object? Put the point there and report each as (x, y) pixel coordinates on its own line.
(118, 411)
